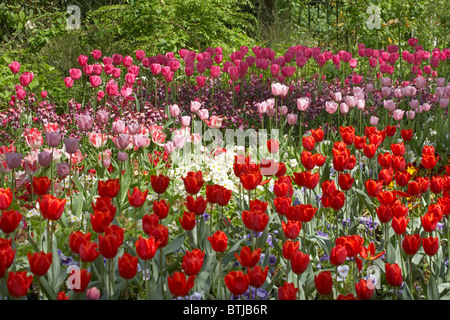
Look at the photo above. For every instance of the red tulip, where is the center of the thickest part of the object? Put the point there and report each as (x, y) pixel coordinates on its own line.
(161, 234)
(89, 252)
(385, 160)
(273, 145)
(384, 213)
(301, 212)
(289, 247)
(219, 241)
(251, 180)
(41, 185)
(9, 221)
(179, 286)
(283, 187)
(187, 221)
(100, 221)
(429, 161)
(39, 262)
(307, 159)
(109, 188)
(411, 244)
(127, 266)
(161, 208)
(430, 245)
(338, 255)
(237, 282)
(369, 150)
(291, 229)
(399, 224)
(353, 244)
(402, 178)
(146, 247)
(51, 207)
(287, 292)
(386, 176)
(373, 187)
(85, 278)
(255, 220)
(335, 200)
(324, 283)
(247, 258)
(18, 283)
(406, 134)
(76, 239)
(308, 143)
(345, 181)
(429, 221)
(317, 134)
(349, 296)
(398, 149)
(6, 197)
(299, 262)
(364, 289)
(192, 262)
(393, 275)
(257, 276)
(137, 198)
(198, 205)
(109, 245)
(193, 182)
(62, 296)
(390, 130)
(347, 134)
(159, 183)
(437, 184)
(282, 205)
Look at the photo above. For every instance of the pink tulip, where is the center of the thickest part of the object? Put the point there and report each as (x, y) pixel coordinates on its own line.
(361, 104)
(373, 121)
(350, 101)
(95, 81)
(118, 126)
(214, 122)
(331, 107)
(203, 114)
(97, 140)
(443, 103)
(82, 60)
(343, 107)
(97, 69)
(337, 96)
(398, 114)
(96, 54)
(75, 73)
(25, 78)
(303, 103)
(420, 83)
(440, 82)
(410, 114)
(201, 81)
(174, 110)
(111, 88)
(68, 81)
(215, 71)
(140, 54)
(195, 106)
(261, 107)
(14, 67)
(414, 104)
(169, 147)
(155, 68)
(88, 69)
(426, 107)
(185, 121)
(389, 105)
(353, 63)
(116, 72)
(292, 118)
(85, 122)
(386, 91)
(127, 61)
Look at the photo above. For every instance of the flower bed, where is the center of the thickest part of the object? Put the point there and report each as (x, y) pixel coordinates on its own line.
(310, 175)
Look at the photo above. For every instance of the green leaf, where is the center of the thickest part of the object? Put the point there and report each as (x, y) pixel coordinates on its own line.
(175, 244)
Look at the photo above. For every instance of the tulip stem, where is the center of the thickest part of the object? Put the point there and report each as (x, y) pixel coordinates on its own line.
(145, 279)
